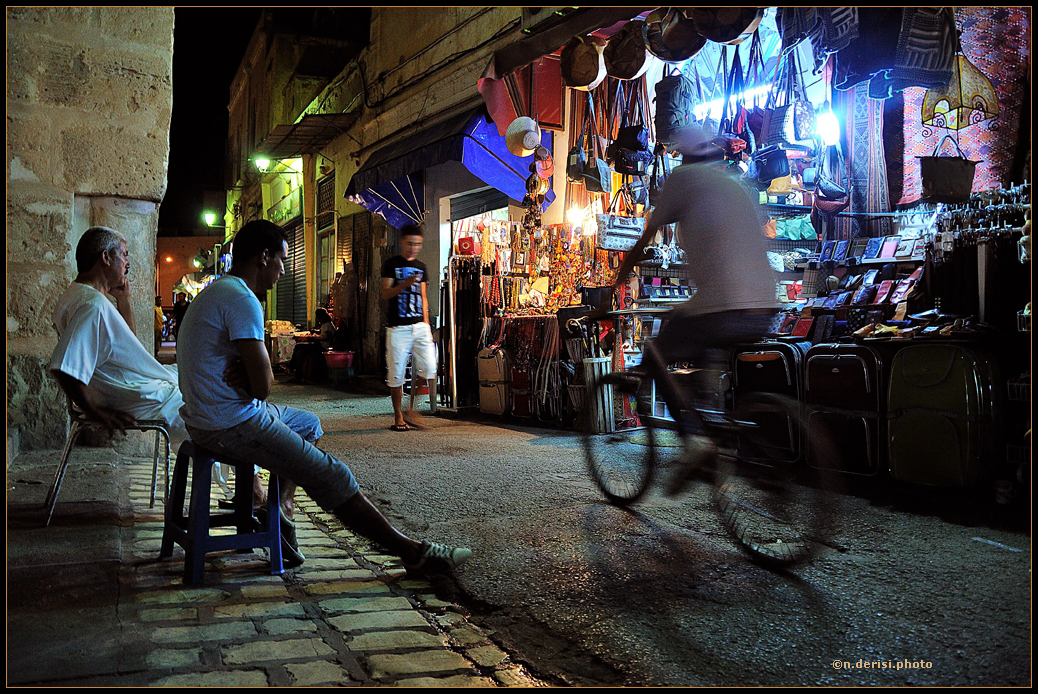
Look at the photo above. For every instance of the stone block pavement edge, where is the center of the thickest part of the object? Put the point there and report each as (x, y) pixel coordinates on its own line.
(90, 603)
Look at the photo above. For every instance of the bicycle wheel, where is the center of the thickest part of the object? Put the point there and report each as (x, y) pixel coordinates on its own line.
(775, 513)
(619, 447)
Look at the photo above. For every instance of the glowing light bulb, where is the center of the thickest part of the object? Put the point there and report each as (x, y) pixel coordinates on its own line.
(827, 127)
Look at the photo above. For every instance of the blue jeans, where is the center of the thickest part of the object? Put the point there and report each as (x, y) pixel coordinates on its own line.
(280, 439)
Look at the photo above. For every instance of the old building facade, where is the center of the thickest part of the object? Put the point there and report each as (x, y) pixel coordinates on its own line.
(89, 99)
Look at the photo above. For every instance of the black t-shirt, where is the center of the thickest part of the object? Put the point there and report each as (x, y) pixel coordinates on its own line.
(406, 307)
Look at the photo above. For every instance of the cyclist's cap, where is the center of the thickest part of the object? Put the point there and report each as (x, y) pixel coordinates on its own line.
(694, 144)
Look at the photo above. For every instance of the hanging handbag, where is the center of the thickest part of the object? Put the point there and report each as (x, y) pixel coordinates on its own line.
(632, 134)
(629, 152)
(830, 196)
(828, 184)
(947, 179)
(576, 162)
(770, 163)
(660, 171)
(803, 111)
(780, 123)
(618, 232)
(598, 177)
(734, 126)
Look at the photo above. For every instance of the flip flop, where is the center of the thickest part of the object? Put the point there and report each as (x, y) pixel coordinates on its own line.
(400, 427)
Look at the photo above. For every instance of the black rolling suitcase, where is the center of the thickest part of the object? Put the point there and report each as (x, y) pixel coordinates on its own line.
(844, 391)
(772, 367)
(942, 408)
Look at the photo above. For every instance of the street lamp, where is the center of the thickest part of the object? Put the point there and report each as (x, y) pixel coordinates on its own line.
(210, 220)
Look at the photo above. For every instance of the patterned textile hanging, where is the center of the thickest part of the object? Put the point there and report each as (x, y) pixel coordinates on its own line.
(997, 42)
(866, 164)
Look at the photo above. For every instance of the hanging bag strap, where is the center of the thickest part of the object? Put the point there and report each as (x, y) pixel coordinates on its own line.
(738, 89)
(937, 150)
(643, 104)
(755, 69)
(590, 128)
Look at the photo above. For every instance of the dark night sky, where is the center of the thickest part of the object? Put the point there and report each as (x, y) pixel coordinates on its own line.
(208, 45)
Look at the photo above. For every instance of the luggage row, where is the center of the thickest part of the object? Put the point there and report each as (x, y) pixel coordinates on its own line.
(924, 412)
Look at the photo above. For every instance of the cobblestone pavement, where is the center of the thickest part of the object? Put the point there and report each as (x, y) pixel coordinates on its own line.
(347, 616)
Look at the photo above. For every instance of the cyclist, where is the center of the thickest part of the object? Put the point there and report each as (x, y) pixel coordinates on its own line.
(720, 231)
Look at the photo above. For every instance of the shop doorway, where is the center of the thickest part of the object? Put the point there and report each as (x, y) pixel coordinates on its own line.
(471, 216)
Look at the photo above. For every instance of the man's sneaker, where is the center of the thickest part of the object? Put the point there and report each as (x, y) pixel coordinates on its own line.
(437, 558)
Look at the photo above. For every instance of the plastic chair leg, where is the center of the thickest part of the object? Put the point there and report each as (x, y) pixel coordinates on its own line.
(59, 475)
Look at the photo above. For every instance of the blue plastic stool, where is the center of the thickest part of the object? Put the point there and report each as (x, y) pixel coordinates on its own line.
(192, 531)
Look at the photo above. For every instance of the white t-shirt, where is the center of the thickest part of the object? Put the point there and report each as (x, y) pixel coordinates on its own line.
(225, 311)
(720, 232)
(97, 347)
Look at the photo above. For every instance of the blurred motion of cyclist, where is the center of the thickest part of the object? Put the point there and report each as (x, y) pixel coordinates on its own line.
(720, 231)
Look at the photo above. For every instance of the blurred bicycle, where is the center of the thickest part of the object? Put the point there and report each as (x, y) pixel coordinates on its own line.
(778, 512)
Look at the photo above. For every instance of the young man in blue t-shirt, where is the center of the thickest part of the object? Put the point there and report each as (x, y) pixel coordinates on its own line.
(226, 378)
(408, 332)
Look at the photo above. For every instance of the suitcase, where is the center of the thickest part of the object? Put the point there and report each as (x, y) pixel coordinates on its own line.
(844, 391)
(522, 403)
(769, 367)
(941, 415)
(772, 367)
(494, 366)
(520, 379)
(494, 369)
(493, 398)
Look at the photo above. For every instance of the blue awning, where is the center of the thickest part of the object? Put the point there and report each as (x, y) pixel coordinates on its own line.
(387, 183)
(400, 201)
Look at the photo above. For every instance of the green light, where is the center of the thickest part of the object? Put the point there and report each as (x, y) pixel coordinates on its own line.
(262, 164)
(210, 218)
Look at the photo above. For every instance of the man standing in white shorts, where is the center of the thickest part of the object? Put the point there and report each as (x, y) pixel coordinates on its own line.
(408, 332)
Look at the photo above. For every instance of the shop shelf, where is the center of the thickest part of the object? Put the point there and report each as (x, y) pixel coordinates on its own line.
(1018, 455)
(1020, 388)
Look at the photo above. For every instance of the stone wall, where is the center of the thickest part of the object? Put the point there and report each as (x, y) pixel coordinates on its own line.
(89, 99)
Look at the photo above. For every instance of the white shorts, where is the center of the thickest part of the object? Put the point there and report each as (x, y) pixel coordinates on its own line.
(415, 340)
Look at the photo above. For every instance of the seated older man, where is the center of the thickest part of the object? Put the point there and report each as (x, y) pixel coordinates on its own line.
(98, 361)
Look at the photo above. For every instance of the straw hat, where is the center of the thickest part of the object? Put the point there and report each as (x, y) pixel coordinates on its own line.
(582, 63)
(670, 36)
(731, 25)
(523, 136)
(626, 57)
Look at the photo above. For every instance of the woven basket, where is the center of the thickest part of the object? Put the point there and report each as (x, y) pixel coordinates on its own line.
(578, 397)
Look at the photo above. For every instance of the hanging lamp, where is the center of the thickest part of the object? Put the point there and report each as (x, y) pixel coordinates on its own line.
(967, 99)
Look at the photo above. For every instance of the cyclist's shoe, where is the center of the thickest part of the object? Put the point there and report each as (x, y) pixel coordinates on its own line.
(698, 450)
(437, 559)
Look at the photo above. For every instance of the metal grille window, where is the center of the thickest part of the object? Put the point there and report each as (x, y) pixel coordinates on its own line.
(291, 288)
(326, 202)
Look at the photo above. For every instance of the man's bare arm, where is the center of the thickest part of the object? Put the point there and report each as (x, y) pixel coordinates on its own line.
(251, 373)
(121, 295)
